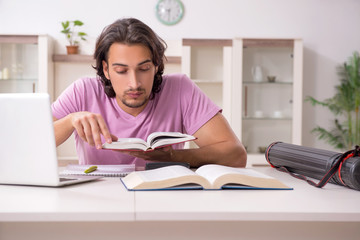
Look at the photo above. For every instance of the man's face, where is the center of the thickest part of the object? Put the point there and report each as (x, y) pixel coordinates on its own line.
(131, 72)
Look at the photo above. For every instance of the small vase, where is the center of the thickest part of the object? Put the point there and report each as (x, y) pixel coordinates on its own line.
(257, 73)
(72, 49)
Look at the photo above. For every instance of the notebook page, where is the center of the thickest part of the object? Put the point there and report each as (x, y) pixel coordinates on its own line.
(102, 170)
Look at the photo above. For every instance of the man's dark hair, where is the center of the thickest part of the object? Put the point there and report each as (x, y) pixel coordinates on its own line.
(129, 31)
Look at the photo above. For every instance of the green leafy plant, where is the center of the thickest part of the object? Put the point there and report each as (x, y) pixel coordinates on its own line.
(345, 133)
(73, 36)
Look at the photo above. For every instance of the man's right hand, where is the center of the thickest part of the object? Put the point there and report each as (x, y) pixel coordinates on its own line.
(90, 127)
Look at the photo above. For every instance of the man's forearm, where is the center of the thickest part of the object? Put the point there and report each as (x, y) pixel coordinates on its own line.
(224, 153)
(63, 129)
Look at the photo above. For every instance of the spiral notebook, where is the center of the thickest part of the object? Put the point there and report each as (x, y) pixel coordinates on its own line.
(102, 170)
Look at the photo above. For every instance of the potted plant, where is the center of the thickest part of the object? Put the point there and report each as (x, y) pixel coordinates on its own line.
(73, 36)
(345, 104)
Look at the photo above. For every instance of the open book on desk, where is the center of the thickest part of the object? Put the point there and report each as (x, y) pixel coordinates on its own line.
(120, 170)
(154, 140)
(210, 176)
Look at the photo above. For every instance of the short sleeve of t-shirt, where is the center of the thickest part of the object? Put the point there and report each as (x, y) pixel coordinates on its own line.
(197, 108)
(71, 100)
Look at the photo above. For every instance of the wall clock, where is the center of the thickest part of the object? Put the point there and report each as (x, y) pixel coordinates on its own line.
(169, 12)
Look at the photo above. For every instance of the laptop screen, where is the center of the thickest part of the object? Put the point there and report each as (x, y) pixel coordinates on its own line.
(28, 149)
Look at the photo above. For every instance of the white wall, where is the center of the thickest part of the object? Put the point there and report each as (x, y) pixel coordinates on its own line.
(329, 29)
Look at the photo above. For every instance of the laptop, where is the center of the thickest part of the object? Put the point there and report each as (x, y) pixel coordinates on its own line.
(28, 148)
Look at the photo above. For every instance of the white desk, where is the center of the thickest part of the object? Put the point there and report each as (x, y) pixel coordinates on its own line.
(105, 210)
(103, 200)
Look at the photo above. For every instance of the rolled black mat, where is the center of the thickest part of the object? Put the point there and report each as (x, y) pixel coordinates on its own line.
(315, 163)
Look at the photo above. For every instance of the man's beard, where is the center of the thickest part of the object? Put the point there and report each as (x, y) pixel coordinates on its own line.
(135, 104)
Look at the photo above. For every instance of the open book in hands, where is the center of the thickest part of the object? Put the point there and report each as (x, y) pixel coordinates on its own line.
(210, 176)
(154, 140)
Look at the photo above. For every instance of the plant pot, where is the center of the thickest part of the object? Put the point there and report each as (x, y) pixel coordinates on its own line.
(72, 49)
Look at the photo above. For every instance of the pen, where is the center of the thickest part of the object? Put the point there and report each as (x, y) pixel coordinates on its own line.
(90, 169)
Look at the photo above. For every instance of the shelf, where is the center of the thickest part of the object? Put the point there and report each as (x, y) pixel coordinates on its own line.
(18, 80)
(267, 83)
(73, 58)
(247, 43)
(199, 81)
(19, 39)
(173, 60)
(89, 58)
(267, 118)
(207, 42)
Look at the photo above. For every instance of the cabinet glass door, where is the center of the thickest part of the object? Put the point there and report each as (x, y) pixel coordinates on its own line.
(267, 110)
(18, 67)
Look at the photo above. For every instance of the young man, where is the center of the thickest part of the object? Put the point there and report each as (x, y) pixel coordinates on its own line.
(131, 98)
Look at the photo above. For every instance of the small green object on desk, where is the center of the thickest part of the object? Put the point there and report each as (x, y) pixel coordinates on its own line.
(90, 169)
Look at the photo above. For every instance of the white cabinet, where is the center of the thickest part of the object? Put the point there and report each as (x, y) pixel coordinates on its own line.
(270, 98)
(208, 62)
(234, 74)
(25, 64)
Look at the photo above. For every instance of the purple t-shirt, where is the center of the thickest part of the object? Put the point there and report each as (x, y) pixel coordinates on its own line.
(180, 106)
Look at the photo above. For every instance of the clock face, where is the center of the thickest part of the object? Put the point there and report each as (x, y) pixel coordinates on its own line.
(169, 12)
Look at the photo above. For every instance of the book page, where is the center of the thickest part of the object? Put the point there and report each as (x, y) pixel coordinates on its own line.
(127, 143)
(155, 135)
(164, 173)
(212, 172)
(164, 177)
(158, 139)
(154, 140)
